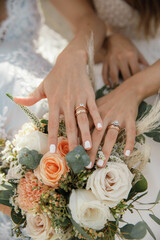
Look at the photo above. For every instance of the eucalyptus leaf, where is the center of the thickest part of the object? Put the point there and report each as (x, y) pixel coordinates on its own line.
(156, 219)
(150, 231)
(7, 186)
(79, 229)
(158, 197)
(29, 158)
(17, 218)
(143, 109)
(5, 196)
(139, 230)
(126, 230)
(138, 187)
(77, 159)
(103, 91)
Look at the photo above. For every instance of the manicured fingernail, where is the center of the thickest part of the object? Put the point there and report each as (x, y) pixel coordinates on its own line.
(87, 145)
(52, 148)
(99, 126)
(90, 165)
(100, 162)
(127, 153)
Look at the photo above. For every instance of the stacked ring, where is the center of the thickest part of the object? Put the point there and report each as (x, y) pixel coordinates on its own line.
(115, 125)
(81, 109)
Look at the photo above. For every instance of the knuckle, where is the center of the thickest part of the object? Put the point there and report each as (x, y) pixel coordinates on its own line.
(82, 119)
(130, 54)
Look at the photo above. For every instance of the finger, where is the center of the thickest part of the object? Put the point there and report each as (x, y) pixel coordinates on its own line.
(134, 65)
(105, 74)
(131, 135)
(143, 60)
(109, 142)
(33, 98)
(96, 140)
(93, 110)
(83, 124)
(124, 68)
(71, 129)
(113, 71)
(53, 126)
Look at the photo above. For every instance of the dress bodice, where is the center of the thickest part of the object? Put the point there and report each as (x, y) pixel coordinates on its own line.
(120, 16)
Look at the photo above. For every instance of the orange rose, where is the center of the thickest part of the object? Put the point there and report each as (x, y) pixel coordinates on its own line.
(63, 146)
(51, 168)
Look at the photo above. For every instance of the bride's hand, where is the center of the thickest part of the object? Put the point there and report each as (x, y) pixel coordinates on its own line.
(120, 105)
(66, 87)
(121, 56)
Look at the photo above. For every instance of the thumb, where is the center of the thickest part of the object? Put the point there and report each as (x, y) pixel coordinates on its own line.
(33, 98)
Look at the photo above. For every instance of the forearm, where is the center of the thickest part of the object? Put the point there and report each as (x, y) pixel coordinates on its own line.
(83, 20)
(146, 82)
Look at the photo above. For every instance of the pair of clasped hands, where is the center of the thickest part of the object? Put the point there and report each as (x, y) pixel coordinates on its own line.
(67, 87)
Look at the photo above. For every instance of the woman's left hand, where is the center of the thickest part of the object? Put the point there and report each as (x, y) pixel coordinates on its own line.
(120, 105)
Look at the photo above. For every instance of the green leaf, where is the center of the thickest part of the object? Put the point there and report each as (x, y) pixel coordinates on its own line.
(126, 230)
(139, 230)
(155, 135)
(77, 159)
(143, 109)
(5, 196)
(150, 231)
(29, 158)
(156, 219)
(158, 197)
(79, 229)
(7, 186)
(30, 114)
(138, 187)
(103, 91)
(17, 218)
(141, 185)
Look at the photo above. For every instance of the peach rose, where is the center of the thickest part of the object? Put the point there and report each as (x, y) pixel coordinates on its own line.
(51, 168)
(29, 192)
(63, 146)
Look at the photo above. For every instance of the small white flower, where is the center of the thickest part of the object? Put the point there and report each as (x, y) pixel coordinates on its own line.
(87, 211)
(111, 184)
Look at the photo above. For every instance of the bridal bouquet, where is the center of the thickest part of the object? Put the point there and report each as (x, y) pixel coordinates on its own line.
(53, 196)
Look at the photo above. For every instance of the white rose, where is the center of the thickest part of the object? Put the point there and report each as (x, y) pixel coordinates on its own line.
(111, 184)
(34, 141)
(87, 211)
(38, 226)
(14, 172)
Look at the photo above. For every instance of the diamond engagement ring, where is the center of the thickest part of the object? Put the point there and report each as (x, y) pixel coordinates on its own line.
(81, 106)
(116, 123)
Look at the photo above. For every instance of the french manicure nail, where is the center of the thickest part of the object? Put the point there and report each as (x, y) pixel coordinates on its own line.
(100, 162)
(127, 153)
(52, 148)
(99, 126)
(87, 145)
(90, 165)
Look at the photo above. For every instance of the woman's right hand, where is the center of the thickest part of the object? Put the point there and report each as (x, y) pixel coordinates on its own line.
(66, 87)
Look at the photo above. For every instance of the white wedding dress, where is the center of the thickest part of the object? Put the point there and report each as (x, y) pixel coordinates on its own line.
(28, 50)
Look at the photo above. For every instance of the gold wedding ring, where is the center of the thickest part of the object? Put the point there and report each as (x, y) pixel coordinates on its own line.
(81, 109)
(116, 127)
